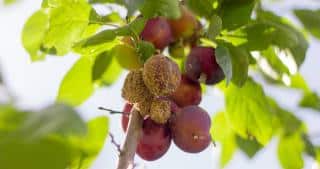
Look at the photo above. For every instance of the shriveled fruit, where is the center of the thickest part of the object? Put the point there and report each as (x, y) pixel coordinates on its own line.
(160, 110)
(158, 32)
(127, 57)
(161, 75)
(201, 65)
(125, 116)
(188, 93)
(134, 89)
(144, 106)
(190, 129)
(185, 26)
(155, 140)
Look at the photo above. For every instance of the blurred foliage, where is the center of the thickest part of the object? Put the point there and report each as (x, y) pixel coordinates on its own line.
(54, 138)
(9, 2)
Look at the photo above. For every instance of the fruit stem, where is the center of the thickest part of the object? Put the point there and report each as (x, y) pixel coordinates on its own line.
(112, 111)
(128, 149)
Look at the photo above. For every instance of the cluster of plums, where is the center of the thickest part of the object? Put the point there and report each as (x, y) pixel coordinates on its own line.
(188, 125)
(188, 128)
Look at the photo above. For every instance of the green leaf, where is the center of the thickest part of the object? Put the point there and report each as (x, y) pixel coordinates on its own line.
(273, 59)
(252, 117)
(166, 8)
(235, 15)
(106, 69)
(228, 149)
(318, 154)
(310, 19)
(33, 33)
(132, 29)
(9, 2)
(99, 38)
(56, 119)
(310, 149)
(49, 154)
(67, 21)
(249, 147)
(215, 27)
(94, 50)
(202, 8)
(310, 100)
(92, 144)
(145, 50)
(113, 18)
(10, 118)
(290, 151)
(240, 65)
(100, 65)
(102, 1)
(223, 58)
(112, 72)
(287, 122)
(133, 5)
(77, 84)
(298, 82)
(288, 37)
(221, 131)
(43, 135)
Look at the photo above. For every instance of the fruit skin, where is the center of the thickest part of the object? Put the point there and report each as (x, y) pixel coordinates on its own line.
(161, 75)
(155, 140)
(174, 107)
(157, 31)
(127, 57)
(125, 117)
(188, 93)
(185, 26)
(201, 65)
(134, 89)
(160, 110)
(190, 129)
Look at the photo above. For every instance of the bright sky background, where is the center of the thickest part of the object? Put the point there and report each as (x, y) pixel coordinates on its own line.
(36, 84)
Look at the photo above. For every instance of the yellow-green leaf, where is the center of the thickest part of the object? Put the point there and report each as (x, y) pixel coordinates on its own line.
(248, 111)
(33, 33)
(290, 151)
(68, 19)
(77, 84)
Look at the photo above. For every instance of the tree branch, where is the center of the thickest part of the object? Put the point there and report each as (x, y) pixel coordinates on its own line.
(113, 141)
(126, 157)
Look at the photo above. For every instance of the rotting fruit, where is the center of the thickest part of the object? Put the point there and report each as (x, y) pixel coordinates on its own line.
(190, 129)
(201, 65)
(134, 89)
(160, 110)
(161, 75)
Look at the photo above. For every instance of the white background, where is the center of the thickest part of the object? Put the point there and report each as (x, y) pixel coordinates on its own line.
(35, 85)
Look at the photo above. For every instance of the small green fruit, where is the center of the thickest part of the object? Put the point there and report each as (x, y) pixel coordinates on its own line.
(127, 57)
